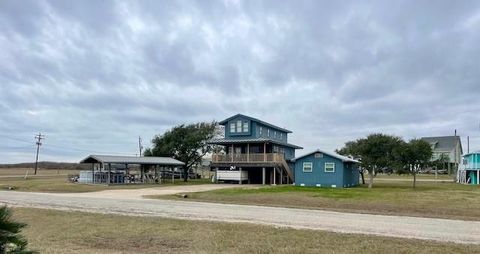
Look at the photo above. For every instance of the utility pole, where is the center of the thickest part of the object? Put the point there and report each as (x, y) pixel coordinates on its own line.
(39, 138)
(140, 146)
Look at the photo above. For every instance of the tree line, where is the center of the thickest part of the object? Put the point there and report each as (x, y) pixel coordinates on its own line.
(378, 151)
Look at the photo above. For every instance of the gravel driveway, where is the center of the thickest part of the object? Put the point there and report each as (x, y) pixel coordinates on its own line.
(395, 226)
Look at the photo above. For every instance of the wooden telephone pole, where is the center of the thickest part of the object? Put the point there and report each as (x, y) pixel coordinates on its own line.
(140, 146)
(39, 138)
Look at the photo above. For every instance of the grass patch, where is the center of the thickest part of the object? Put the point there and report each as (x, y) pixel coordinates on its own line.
(51, 231)
(429, 199)
(60, 183)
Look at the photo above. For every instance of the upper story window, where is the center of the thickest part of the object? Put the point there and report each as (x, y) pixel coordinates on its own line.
(307, 167)
(281, 136)
(260, 130)
(329, 167)
(275, 134)
(232, 127)
(239, 126)
(268, 132)
(245, 126)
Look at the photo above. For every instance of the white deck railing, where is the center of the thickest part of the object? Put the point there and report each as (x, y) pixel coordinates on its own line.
(252, 157)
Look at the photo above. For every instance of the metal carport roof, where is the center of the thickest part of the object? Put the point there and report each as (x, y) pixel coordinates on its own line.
(113, 159)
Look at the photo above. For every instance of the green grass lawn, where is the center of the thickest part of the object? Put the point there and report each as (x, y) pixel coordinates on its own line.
(60, 183)
(429, 199)
(51, 231)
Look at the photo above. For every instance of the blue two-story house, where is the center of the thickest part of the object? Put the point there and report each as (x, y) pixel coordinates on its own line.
(254, 151)
(325, 169)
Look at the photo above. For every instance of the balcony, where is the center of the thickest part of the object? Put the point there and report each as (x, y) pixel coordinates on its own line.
(248, 158)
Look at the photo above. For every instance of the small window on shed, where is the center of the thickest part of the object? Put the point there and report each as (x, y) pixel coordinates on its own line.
(232, 127)
(318, 155)
(245, 126)
(307, 167)
(329, 167)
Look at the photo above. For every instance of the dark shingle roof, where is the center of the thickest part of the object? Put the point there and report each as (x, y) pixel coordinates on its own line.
(223, 141)
(256, 120)
(444, 144)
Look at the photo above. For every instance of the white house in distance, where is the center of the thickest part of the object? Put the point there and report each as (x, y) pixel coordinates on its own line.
(451, 146)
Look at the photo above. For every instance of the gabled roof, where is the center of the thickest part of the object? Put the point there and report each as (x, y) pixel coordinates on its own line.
(167, 161)
(334, 155)
(223, 141)
(224, 122)
(445, 143)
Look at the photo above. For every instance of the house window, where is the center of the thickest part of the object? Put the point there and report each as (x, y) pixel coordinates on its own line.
(245, 126)
(281, 136)
(260, 130)
(329, 167)
(275, 134)
(307, 167)
(232, 127)
(239, 126)
(268, 132)
(318, 155)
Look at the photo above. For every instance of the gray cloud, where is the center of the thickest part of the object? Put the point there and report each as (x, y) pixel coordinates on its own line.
(95, 75)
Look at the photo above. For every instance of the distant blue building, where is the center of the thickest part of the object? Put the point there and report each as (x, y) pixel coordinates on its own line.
(469, 172)
(254, 151)
(323, 169)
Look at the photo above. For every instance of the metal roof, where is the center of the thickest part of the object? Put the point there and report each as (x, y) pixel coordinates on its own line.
(444, 144)
(224, 141)
(256, 120)
(334, 155)
(167, 161)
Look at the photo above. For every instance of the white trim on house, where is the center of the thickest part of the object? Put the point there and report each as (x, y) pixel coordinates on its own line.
(311, 167)
(330, 165)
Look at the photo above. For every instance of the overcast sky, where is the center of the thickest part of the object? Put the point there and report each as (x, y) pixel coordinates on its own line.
(95, 75)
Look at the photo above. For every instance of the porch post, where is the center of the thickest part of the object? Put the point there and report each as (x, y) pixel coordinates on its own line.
(216, 175)
(156, 173)
(263, 176)
(173, 175)
(265, 151)
(281, 176)
(274, 174)
(248, 152)
(232, 153)
(240, 180)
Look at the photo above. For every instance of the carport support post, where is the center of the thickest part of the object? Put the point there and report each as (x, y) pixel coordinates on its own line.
(263, 176)
(108, 173)
(173, 175)
(240, 180)
(156, 174)
(93, 172)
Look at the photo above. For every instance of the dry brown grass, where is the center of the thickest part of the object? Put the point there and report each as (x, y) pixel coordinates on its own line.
(52, 231)
(50, 181)
(441, 200)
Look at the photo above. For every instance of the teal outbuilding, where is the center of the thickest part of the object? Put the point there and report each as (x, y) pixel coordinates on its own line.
(326, 169)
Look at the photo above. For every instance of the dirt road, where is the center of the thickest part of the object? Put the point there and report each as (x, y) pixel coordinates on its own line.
(395, 226)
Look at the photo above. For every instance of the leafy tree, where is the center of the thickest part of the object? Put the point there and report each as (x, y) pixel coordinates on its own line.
(415, 155)
(186, 143)
(375, 151)
(10, 239)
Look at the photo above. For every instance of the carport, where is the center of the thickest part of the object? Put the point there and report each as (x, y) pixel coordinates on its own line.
(111, 169)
